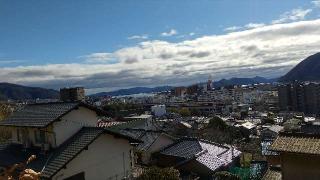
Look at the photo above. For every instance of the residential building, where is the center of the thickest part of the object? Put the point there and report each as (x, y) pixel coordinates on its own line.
(201, 157)
(301, 97)
(67, 143)
(158, 110)
(72, 94)
(299, 154)
(153, 141)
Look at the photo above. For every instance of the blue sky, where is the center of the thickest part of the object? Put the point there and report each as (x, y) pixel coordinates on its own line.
(40, 37)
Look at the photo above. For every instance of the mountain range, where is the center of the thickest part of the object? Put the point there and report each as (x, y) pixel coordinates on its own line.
(306, 70)
(222, 82)
(19, 92)
(242, 81)
(135, 90)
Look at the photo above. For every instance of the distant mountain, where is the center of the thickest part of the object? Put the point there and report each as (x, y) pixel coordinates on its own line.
(18, 92)
(135, 90)
(306, 70)
(242, 81)
(221, 83)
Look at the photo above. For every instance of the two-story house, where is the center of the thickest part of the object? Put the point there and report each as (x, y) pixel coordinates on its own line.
(67, 143)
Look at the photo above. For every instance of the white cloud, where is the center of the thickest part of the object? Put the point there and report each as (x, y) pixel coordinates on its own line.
(192, 34)
(254, 25)
(98, 57)
(10, 61)
(293, 15)
(169, 33)
(233, 28)
(144, 36)
(316, 3)
(268, 51)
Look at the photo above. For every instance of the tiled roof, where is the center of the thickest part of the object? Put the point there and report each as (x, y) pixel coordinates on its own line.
(147, 137)
(272, 175)
(211, 155)
(69, 150)
(183, 148)
(56, 159)
(297, 144)
(276, 128)
(38, 115)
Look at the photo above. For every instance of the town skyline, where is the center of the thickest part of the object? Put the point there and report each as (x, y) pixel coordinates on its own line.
(99, 46)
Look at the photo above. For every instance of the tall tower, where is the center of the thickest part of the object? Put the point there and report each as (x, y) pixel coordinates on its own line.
(209, 83)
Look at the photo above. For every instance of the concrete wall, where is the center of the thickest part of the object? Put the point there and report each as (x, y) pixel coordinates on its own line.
(73, 122)
(106, 158)
(300, 166)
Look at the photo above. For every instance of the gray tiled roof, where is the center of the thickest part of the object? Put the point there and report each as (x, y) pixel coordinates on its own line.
(183, 148)
(147, 137)
(38, 115)
(69, 150)
(55, 159)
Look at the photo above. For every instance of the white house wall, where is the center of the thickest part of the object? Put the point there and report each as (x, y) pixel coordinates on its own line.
(73, 122)
(106, 158)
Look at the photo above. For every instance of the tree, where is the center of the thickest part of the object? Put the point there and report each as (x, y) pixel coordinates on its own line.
(195, 112)
(184, 112)
(217, 122)
(5, 111)
(160, 174)
(220, 132)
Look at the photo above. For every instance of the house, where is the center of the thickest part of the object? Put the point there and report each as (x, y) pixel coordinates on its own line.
(299, 154)
(270, 133)
(247, 128)
(147, 118)
(201, 157)
(67, 143)
(158, 110)
(153, 141)
(153, 138)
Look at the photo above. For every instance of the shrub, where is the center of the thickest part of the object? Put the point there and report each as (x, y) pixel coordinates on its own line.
(160, 174)
(225, 175)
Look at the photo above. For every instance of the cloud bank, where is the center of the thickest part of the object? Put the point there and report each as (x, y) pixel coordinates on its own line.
(265, 50)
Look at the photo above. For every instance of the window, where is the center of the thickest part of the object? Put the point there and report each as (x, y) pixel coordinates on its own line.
(40, 136)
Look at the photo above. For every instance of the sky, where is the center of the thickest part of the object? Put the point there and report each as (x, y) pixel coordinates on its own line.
(114, 44)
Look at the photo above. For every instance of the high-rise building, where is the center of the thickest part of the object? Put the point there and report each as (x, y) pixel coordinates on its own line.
(209, 83)
(302, 97)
